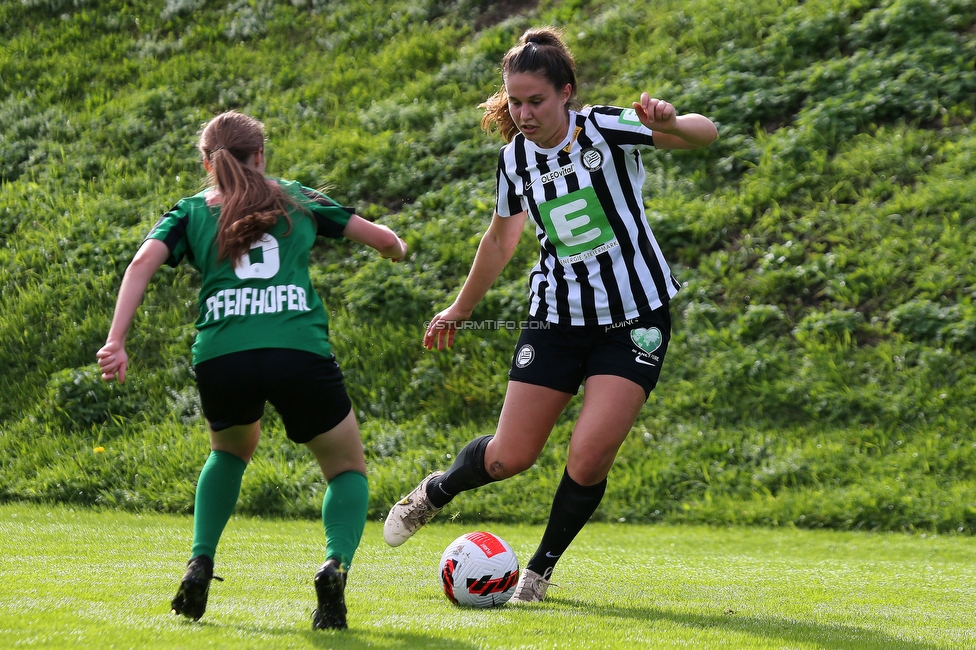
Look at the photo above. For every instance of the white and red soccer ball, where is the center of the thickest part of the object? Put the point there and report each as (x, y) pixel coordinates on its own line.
(479, 570)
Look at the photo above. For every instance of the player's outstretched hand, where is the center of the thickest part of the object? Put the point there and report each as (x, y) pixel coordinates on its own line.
(399, 255)
(442, 328)
(113, 361)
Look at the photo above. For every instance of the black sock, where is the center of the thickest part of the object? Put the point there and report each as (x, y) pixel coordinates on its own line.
(572, 507)
(466, 473)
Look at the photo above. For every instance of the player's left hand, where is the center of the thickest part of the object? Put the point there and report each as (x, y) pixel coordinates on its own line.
(113, 361)
(656, 114)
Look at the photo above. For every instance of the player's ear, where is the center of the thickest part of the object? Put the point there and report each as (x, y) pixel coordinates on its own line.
(566, 93)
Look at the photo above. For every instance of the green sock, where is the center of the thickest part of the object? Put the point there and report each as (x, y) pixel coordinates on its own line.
(217, 492)
(344, 515)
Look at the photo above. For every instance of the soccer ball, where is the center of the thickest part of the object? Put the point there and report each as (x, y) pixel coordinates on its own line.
(479, 570)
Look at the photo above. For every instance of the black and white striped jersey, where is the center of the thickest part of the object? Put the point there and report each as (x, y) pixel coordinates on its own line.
(599, 262)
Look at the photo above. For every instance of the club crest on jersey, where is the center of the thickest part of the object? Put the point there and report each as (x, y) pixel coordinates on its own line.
(592, 158)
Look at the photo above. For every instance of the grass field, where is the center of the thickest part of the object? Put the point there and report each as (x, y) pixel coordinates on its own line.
(83, 578)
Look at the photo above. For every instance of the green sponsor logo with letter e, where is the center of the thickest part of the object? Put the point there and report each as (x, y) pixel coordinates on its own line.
(577, 226)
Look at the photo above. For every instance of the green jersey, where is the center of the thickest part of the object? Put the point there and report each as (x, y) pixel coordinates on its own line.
(267, 300)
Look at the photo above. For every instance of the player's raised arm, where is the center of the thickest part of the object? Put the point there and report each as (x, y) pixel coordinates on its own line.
(377, 236)
(673, 131)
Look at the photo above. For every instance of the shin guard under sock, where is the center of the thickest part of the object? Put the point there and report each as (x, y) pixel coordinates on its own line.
(466, 473)
(218, 488)
(572, 507)
(344, 515)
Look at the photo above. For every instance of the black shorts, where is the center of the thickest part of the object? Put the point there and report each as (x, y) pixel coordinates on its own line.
(562, 356)
(305, 388)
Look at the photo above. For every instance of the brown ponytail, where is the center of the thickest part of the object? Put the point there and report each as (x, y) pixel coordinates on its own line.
(250, 204)
(541, 51)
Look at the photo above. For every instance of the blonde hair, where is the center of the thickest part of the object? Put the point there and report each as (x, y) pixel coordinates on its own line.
(541, 51)
(250, 204)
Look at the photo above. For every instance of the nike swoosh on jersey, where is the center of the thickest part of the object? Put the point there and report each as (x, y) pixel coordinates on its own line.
(646, 363)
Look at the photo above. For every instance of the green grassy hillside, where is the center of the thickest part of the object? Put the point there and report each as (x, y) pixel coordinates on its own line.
(821, 372)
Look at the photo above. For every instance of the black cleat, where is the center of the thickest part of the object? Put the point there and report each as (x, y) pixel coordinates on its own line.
(191, 599)
(330, 587)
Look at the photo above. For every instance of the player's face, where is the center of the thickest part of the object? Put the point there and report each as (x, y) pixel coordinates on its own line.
(539, 110)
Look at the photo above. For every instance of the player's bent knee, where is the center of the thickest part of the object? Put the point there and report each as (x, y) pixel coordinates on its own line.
(502, 469)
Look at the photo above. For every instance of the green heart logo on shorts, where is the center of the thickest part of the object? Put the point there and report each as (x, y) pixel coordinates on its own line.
(647, 340)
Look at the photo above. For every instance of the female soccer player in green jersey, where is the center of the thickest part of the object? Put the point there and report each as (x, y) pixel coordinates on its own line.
(262, 337)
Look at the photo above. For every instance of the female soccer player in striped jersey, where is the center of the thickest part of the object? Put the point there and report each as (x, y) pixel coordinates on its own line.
(263, 336)
(598, 295)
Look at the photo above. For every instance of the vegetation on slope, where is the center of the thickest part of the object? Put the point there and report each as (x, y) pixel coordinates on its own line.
(821, 372)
